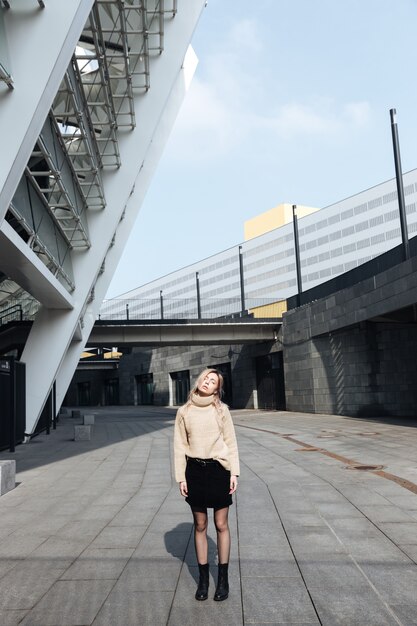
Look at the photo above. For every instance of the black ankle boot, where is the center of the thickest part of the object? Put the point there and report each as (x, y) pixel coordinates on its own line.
(203, 582)
(222, 589)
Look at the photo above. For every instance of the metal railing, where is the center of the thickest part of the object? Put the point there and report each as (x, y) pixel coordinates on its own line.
(170, 308)
(152, 309)
(19, 311)
(11, 314)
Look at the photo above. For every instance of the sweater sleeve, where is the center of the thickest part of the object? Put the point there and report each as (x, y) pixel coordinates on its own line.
(229, 437)
(180, 447)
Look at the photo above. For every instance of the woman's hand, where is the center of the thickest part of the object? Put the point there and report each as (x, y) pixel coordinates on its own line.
(233, 484)
(183, 489)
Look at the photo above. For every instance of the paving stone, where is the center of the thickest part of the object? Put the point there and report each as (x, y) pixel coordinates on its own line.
(150, 574)
(70, 602)
(409, 550)
(99, 564)
(400, 532)
(119, 537)
(169, 522)
(55, 547)
(269, 561)
(19, 546)
(386, 513)
(374, 550)
(11, 618)
(130, 609)
(314, 540)
(266, 534)
(26, 583)
(159, 544)
(333, 572)
(302, 519)
(250, 514)
(6, 565)
(406, 613)
(87, 529)
(277, 600)
(335, 510)
(396, 582)
(347, 609)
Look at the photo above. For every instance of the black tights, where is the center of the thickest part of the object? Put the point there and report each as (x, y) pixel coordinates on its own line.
(221, 521)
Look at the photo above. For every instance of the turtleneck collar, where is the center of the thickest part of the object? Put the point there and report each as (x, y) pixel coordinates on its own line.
(202, 400)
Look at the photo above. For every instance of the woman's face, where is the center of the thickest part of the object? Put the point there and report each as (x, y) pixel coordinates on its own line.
(208, 384)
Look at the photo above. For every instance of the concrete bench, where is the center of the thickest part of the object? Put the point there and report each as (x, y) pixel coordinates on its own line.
(7, 476)
(75, 413)
(82, 432)
(89, 419)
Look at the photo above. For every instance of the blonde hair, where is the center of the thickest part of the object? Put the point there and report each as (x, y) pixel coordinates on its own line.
(217, 394)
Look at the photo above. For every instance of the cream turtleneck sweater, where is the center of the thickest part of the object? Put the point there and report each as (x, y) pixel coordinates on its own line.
(198, 434)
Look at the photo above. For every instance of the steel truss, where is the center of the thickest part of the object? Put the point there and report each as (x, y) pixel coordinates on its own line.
(46, 174)
(35, 243)
(95, 103)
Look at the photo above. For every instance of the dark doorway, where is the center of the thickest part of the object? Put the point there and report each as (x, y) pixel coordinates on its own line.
(181, 386)
(13, 402)
(270, 381)
(84, 393)
(225, 370)
(111, 392)
(144, 386)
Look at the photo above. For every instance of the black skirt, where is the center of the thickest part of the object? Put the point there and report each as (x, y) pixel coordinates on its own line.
(208, 485)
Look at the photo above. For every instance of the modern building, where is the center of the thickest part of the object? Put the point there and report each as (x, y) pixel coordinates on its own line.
(89, 91)
(247, 279)
(262, 269)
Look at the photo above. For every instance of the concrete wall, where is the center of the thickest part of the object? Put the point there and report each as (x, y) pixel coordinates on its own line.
(162, 362)
(341, 357)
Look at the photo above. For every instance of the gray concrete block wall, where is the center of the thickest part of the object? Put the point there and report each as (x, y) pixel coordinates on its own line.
(367, 370)
(337, 361)
(161, 362)
(389, 291)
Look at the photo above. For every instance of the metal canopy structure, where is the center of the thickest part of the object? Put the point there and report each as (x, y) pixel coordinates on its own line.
(92, 91)
(95, 102)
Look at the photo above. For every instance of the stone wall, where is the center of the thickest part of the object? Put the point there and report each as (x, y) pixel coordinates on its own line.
(369, 369)
(162, 362)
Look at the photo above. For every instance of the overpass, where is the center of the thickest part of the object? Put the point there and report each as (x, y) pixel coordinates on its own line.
(158, 333)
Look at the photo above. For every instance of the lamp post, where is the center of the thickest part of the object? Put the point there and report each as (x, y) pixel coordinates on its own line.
(400, 186)
(297, 253)
(242, 281)
(161, 302)
(197, 284)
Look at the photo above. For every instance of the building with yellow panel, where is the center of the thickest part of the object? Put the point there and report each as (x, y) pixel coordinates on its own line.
(264, 223)
(274, 218)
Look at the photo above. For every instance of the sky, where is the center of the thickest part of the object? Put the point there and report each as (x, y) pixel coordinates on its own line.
(289, 103)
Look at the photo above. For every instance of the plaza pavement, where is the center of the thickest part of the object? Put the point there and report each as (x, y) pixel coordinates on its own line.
(96, 533)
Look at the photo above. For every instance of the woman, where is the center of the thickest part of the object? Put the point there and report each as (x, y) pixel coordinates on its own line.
(206, 468)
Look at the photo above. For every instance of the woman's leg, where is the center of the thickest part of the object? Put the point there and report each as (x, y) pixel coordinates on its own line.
(223, 549)
(221, 521)
(201, 551)
(200, 536)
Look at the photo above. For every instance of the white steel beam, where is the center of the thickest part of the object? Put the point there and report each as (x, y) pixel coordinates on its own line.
(23, 266)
